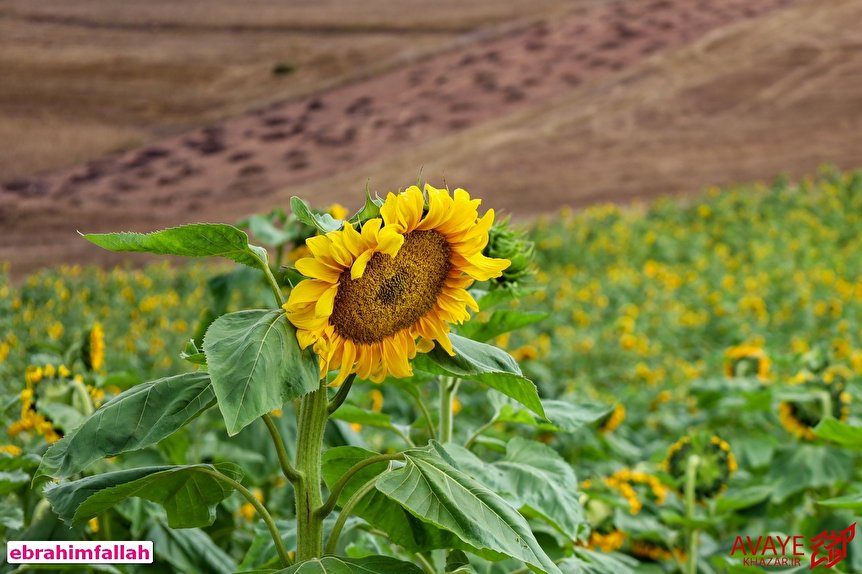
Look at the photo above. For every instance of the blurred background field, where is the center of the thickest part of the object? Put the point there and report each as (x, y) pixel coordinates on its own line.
(697, 263)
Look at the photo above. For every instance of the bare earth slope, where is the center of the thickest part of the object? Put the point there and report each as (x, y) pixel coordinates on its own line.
(609, 102)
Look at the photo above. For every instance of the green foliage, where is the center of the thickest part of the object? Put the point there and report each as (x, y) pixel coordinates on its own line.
(139, 417)
(189, 494)
(256, 365)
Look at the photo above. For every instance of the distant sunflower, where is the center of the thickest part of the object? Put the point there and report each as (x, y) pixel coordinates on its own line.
(376, 297)
(93, 351)
(746, 361)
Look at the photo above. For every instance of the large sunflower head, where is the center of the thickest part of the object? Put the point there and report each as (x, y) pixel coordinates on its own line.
(377, 295)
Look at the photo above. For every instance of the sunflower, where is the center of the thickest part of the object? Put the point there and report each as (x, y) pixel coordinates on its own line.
(378, 295)
(745, 361)
(717, 463)
(93, 350)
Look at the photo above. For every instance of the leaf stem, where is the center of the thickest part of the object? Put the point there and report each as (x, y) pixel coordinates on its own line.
(332, 544)
(690, 484)
(427, 415)
(261, 510)
(273, 284)
(341, 395)
(426, 566)
(290, 473)
(479, 432)
(329, 506)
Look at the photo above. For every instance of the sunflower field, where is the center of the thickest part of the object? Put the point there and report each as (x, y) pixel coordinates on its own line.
(421, 386)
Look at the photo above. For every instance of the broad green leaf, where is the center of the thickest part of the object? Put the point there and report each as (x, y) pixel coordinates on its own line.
(256, 365)
(809, 466)
(337, 461)
(431, 488)
(483, 363)
(132, 420)
(264, 230)
(12, 481)
(850, 501)
(194, 240)
(591, 562)
(500, 322)
(62, 416)
(189, 494)
(11, 515)
(839, 432)
(743, 498)
(354, 414)
(540, 480)
(25, 461)
(560, 415)
(189, 550)
(378, 510)
(322, 222)
(367, 565)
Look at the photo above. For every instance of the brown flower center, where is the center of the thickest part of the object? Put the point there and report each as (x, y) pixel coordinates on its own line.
(394, 292)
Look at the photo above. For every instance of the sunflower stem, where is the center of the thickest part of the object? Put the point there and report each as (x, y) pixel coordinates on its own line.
(274, 286)
(311, 423)
(690, 486)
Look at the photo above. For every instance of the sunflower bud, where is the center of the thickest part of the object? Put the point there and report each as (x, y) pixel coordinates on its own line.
(504, 242)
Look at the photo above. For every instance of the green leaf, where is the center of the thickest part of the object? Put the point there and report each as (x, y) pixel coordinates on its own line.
(12, 481)
(500, 322)
(809, 466)
(189, 550)
(63, 416)
(590, 562)
(483, 363)
(337, 461)
(370, 210)
(353, 414)
(839, 432)
(189, 494)
(263, 230)
(541, 481)
(256, 365)
(561, 415)
(367, 565)
(195, 240)
(743, 498)
(11, 514)
(24, 461)
(850, 501)
(431, 488)
(132, 420)
(322, 222)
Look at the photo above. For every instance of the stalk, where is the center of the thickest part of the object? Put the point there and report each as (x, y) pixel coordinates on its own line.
(690, 483)
(309, 443)
(289, 472)
(448, 388)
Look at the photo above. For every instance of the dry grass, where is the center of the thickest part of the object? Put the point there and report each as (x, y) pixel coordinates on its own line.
(778, 95)
(84, 78)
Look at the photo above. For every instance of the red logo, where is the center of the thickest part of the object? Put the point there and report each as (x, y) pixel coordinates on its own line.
(827, 549)
(834, 545)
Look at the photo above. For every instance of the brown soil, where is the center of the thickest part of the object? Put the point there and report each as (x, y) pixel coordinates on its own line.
(609, 102)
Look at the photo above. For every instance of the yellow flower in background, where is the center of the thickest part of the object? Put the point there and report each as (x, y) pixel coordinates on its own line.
(11, 449)
(97, 347)
(609, 542)
(379, 295)
(247, 510)
(614, 420)
(337, 211)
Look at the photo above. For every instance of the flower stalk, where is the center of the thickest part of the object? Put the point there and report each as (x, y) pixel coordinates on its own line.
(690, 485)
(311, 423)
